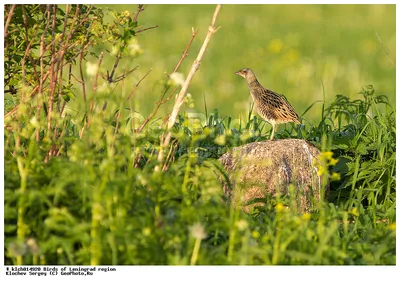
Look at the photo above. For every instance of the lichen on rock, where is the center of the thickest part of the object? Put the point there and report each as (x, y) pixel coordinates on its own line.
(261, 168)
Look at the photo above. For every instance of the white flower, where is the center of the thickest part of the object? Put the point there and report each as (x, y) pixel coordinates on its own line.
(91, 68)
(115, 50)
(242, 225)
(104, 88)
(197, 231)
(34, 122)
(134, 47)
(177, 78)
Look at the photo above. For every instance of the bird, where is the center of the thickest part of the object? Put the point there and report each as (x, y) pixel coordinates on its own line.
(271, 106)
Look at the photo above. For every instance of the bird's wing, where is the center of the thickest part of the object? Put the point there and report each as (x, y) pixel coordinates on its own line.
(279, 105)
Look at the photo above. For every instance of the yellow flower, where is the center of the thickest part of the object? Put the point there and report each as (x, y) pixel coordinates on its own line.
(306, 217)
(321, 170)
(275, 45)
(279, 207)
(335, 176)
(326, 156)
(292, 55)
(146, 231)
(220, 140)
(255, 234)
(333, 162)
(354, 212)
(392, 226)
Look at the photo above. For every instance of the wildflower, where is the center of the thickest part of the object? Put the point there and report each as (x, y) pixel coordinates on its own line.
(146, 231)
(306, 217)
(279, 207)
(189, 100)
(328, 155)
(115, 50)
(255, 234)
(177, 78)
(354, 212)
(335, 176)
(220, 140)
(333, 161)
(91, 69)
(197, 231)
(35, 122)
(134, 47)
(206, 131)
(321, 170)
(242, 225)
(275, 45)
(31, 243)
(325, 156)
(104, 88)
(292, 55)
(392, 226)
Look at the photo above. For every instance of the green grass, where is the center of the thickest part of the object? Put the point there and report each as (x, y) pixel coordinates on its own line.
(84, 189)
(291, 48)
(93, 205)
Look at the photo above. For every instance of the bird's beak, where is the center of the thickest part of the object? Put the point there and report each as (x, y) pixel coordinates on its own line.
(240, 73)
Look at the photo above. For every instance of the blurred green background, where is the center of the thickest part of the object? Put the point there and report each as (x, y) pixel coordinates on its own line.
(291, 48)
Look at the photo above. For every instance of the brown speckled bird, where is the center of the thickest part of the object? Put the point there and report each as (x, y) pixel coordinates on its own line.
(271, 106)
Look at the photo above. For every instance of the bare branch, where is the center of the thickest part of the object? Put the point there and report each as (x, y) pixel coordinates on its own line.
(195, 67)
(110, 77)
(141, 30)
(10, 15)
(185, 53)
(124, 75)
(140, 9)
(162, 100)
(179, 100)
(137, 84)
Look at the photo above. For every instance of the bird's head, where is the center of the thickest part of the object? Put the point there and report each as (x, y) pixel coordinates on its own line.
(246, 73)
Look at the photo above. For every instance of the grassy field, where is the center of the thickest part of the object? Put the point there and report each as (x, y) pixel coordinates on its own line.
(82, 184)
(292, 48)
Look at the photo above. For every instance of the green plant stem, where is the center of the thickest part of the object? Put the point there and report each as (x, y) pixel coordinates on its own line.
(187, 173)
(195, 252)
(97, 215)
(21, 226)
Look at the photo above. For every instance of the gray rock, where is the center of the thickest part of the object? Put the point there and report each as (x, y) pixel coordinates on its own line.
(269, 167)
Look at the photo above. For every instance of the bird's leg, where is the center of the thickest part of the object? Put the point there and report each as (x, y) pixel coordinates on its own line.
(273, 132)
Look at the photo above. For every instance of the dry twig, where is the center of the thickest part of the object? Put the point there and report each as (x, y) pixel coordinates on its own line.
(162, 100)
(9, 17)
(179, 100)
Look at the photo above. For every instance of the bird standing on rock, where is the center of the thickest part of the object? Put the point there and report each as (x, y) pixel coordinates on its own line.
(271, 106)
